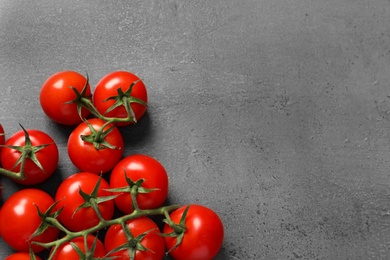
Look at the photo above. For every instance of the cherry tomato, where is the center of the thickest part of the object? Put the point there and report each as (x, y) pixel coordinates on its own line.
(69, 198)
(108, 87)
(99, 153)
(57, 96)
(21, 256)
(47, 156)
(19, 220)
(152, 241)
(67, 252)
(139, 167)
(2, 137)
(203, 236)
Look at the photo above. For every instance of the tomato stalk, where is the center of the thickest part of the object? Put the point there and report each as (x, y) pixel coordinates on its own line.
(49, 219)
(121, 99)
(69, 235)
(178, 229)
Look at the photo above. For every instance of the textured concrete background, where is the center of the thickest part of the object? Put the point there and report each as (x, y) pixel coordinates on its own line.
(276, 114)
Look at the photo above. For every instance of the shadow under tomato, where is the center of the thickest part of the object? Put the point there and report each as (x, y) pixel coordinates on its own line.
(138, 134)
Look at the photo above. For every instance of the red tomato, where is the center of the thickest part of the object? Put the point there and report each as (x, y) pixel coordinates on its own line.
(21, 256)
(56, 97)
(152, 241)
(86, 156)
(203, 236)
(138, 167)
(2, 137)
(67, 252)
(19, 219)
(68, 197)
(47, 156)
(108, 87)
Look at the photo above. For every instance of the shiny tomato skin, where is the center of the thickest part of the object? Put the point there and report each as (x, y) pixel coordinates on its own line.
(67, 252)
(140, 166)
(107, 87)
(56, 94)
(203, 237)
(19, 219)
(86, 157)
(48, 156)
(153, 241)
(69, 199)
(21, 256)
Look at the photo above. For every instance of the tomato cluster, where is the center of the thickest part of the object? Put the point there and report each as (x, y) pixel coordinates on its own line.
(67, 226)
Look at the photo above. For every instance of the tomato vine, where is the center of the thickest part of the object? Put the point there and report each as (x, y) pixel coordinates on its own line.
(138, 184)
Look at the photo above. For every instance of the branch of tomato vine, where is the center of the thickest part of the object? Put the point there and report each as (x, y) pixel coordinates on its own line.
(122, 99)
(49, 218)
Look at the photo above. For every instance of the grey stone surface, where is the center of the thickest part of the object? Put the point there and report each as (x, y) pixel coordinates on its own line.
(273, 113)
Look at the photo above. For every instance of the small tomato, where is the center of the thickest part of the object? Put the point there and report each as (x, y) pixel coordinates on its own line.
(19, 220)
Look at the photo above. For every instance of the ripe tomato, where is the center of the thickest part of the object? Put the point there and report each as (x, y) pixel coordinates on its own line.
(152, 241)
(21, 256)
(47, 156)
(108, 87)
(203, 236)
(138, 167)
(57, 96)
(69, 198)
(67, 252)
(2, 137)
(19, 219)
(98, 152)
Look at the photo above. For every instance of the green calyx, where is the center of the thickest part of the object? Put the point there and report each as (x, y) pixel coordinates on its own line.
(45, 217)
(93, 200)
(134, 188)
(98, 137)
(132, 244)
(125, 99)
(89, 252)
(178, 229)
(82, 99)
(27, 152)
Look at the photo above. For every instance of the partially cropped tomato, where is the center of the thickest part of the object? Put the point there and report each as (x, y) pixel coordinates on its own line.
(144, 233)
(67, 250)
(57, 97)
(92, 150)
(148, 174)
(2, 137)
(202, 237)
(69, 199)
(106, 96)
(19, 220)
(46, 153)
(21, 256)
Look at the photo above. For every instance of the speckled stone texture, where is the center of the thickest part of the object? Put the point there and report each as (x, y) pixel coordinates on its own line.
(273, 113)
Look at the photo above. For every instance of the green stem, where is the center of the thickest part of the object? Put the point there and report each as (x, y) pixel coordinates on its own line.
(13, 175)
(88, 104)
(69, 235)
